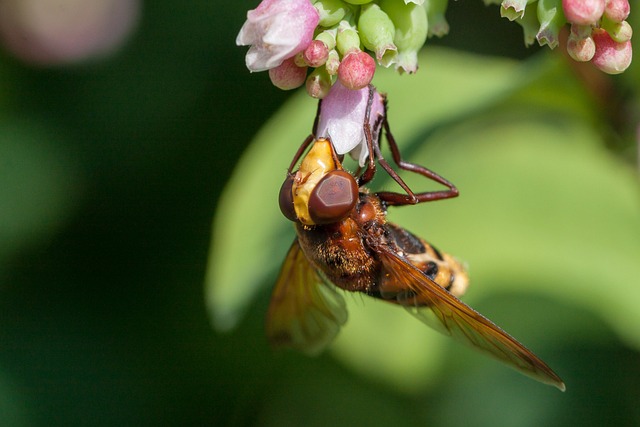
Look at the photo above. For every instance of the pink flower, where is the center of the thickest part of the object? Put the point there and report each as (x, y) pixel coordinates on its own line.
(617, 10)
(276, 30)
(288, 75)
(342, 116)
(583, 12)
(316, 54)
(66, 31)
(356, 69)
(611, 57)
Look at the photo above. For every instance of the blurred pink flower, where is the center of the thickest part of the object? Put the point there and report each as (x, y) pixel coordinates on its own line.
(276, 30)
(63, 31)
(611, 57)
(342, 117)
(617, 10)
(583, 12)
(581, 49)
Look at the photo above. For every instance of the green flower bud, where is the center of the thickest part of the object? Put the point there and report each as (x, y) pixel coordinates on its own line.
(331, 11)
(619, 31)
(328, 37)
(333, 62)
(347, 38)
(529, 23)
(411, 25)
(552, 20)
(377, 32)
(318, 83)
(438, 25)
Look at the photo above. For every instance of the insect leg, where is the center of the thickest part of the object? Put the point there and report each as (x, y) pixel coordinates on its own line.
(314, 130)
(370, 171)
(308, 140)
(301, 150)
(411, 198)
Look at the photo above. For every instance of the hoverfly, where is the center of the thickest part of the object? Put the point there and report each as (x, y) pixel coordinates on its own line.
(344, 241)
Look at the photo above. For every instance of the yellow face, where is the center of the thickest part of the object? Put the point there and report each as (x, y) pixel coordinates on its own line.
(320, 192)
(316, 165)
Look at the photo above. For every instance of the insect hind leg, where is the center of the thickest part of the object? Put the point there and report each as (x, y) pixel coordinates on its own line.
(410, 198)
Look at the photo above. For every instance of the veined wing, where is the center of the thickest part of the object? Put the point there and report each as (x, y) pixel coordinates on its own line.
(446, 313)
(305, 313)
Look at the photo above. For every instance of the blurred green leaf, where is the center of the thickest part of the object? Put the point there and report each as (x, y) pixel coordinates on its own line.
(543, 209)
(248, 229)
(39, 184)
(12, 407)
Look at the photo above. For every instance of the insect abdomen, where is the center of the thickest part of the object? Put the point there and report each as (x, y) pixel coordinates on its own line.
(440, 267)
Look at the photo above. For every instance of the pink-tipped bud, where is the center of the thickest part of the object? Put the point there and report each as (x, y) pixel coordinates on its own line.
(356, 70)
(581, 49)
(288, 75)
(617, 10)
(583, 12)
(619, 31)
(611, 57)
(298, 58)
(315, 55)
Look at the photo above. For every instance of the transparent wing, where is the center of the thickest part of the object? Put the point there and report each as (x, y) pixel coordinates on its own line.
(439, 309)
(305, 313)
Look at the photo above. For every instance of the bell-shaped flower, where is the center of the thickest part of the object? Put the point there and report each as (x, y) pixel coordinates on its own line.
(342, 118)
(331, 12)
(551, 22)
(529, 23)
(514, 9)
(438, 25)
(376, 33)
(411, 28)
(276, 30)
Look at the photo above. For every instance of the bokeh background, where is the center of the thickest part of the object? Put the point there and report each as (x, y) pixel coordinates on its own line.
(120, 125)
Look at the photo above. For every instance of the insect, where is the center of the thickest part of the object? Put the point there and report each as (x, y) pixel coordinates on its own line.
(345, 241)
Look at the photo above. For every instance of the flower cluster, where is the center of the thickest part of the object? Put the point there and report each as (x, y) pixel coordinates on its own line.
(599, 30)
(337, 39)
(315, 43)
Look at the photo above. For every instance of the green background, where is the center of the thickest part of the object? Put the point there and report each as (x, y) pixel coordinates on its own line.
(111, 174)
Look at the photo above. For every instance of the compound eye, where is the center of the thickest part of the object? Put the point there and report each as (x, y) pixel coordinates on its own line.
(333, 198)
(286, 199)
